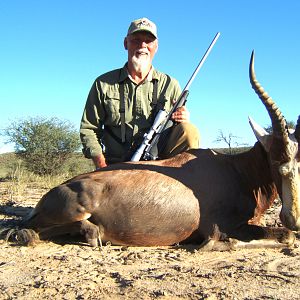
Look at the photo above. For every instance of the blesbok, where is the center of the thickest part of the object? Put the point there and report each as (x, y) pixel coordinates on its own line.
(183, 198)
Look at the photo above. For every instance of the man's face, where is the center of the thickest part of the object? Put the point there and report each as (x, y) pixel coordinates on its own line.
(141, 47)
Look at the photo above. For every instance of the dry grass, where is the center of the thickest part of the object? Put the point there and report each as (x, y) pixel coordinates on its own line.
(18, 179)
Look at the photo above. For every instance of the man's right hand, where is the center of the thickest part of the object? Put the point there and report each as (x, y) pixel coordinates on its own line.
(99, 161)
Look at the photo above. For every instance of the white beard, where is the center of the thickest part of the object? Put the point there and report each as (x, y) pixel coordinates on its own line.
(141, 63)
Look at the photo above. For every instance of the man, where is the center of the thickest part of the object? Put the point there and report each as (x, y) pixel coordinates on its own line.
(122, 105)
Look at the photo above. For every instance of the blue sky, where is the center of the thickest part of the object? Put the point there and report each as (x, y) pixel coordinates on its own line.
(51, 52)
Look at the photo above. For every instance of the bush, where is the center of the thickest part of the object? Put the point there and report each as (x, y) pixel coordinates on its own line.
(43, 144)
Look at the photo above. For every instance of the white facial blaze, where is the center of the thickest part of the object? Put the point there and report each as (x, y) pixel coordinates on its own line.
(290, 213)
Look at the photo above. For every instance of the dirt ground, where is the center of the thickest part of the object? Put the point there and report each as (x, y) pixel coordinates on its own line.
(69, 269)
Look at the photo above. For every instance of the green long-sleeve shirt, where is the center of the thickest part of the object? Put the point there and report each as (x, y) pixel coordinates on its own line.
(100, 128)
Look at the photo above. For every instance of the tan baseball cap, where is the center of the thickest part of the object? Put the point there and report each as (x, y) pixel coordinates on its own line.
(142, 24)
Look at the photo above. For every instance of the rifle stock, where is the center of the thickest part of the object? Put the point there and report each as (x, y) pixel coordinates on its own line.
(163, 118)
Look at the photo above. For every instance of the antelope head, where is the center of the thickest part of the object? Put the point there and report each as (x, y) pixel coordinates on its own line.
(284, 154)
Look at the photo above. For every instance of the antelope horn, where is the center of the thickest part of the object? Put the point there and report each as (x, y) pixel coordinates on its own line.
(277, 119)
(297, 130)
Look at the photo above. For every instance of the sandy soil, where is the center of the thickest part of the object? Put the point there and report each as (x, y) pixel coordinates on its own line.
(69, 269)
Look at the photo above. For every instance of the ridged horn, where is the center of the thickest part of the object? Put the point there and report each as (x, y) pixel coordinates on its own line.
(297, 130)
(277, 119)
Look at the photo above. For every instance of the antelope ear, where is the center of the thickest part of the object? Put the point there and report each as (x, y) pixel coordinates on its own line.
(261, 134)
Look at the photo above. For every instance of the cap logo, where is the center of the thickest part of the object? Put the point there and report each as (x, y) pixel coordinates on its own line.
(143, 23)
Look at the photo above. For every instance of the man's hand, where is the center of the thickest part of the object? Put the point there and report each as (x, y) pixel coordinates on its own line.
(99, 161)
(181, 115)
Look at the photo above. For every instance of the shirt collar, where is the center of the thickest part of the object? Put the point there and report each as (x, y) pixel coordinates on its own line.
(123, 73)
(153, 75)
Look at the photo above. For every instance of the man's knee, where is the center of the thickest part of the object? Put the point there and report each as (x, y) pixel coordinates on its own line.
(183, 137)
(189, 133)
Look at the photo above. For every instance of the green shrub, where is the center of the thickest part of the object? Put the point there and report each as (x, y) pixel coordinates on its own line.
(45, 145)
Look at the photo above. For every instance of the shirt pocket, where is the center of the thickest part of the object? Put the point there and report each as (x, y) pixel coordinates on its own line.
(112, 108)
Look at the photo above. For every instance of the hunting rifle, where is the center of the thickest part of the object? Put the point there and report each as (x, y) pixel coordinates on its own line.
(162, 118)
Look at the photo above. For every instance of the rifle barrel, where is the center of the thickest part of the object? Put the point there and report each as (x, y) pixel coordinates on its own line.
(202, 61)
